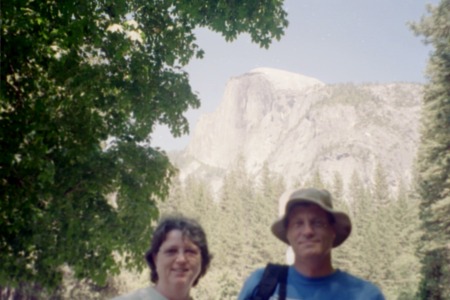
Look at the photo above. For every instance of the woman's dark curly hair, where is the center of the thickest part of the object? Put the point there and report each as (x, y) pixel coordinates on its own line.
(190, 229)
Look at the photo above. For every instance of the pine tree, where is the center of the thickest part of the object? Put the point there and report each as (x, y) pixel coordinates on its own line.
(343, 257)
(434, 156)
(270, 187)
(381, 191)
(315, 180)
(405, 265)
(361, 213)
(359, 197)
(234, 249)
(337, 190)
(176, 196)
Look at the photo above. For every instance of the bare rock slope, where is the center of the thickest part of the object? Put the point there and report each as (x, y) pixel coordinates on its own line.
(298, 125)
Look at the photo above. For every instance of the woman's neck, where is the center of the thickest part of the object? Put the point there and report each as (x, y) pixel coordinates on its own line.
(173, 293)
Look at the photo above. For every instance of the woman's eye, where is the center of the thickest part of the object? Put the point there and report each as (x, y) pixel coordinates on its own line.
(191, 251)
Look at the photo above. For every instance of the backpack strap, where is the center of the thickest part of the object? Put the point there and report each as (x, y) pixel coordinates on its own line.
(283, 279)
(273, 274)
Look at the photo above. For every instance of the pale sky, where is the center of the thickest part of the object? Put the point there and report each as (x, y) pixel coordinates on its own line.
(334, 41)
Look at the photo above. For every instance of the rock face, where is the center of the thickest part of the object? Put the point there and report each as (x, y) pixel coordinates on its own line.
(298, 125)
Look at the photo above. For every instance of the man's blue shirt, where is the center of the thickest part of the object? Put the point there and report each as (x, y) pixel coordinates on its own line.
(338, 286)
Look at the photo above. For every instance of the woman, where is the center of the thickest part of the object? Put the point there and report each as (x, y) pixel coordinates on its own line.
(178, 257)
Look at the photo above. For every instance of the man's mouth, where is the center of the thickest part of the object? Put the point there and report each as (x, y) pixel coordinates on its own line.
(308, 243)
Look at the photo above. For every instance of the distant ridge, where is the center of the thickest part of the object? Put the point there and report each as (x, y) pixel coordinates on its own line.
(284, 80)
(298, 125)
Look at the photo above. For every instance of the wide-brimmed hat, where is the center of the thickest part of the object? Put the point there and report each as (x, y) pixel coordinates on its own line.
(322, 198)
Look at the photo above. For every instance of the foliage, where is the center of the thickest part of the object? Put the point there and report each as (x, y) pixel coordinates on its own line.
(83, 85)
(433, 159)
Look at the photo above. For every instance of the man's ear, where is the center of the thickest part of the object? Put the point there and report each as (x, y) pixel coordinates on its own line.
(334, 233)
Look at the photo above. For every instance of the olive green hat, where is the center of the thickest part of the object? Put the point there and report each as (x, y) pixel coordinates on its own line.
(323, 199)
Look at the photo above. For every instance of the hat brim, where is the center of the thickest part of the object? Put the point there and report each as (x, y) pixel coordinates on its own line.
(342, 224)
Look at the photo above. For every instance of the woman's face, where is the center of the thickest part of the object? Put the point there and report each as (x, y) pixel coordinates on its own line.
(178, 261)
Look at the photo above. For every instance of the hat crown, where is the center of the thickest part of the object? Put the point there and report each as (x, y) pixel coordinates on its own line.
(321, 197)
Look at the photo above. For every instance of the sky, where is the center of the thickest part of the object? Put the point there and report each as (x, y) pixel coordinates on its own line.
(334, 41)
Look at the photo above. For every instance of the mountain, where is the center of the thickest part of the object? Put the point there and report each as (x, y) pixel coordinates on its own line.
(299, 125)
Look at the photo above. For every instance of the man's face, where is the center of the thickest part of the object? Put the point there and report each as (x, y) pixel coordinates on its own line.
(309, 232)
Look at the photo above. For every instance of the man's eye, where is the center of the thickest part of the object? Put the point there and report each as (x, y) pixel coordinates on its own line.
(298, 224)
(318, 224)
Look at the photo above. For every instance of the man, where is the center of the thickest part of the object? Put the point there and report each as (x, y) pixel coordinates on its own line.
(312, 228)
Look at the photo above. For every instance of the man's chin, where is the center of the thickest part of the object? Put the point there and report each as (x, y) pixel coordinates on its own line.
(310, 250)
(308, 245)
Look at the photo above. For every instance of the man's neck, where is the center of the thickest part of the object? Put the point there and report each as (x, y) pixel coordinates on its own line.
(314, 268)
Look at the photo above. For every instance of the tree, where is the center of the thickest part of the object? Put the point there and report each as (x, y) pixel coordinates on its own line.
(381, 191)
(362, 214)
(83, 85)
(342, 257)
(433, 158)
(337, 190)
(236, 196)
(405, 265)
(266, 248)
(315, 180)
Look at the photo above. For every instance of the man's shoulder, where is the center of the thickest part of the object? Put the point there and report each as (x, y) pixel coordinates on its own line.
(255, 276)
(251, 282)
(356, 282)
(258, 273)
(344, 275)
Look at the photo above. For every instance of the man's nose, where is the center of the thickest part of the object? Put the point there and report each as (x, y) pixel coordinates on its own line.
(308, 228)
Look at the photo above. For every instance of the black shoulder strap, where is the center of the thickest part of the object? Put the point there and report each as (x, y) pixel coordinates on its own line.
(273, 274)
